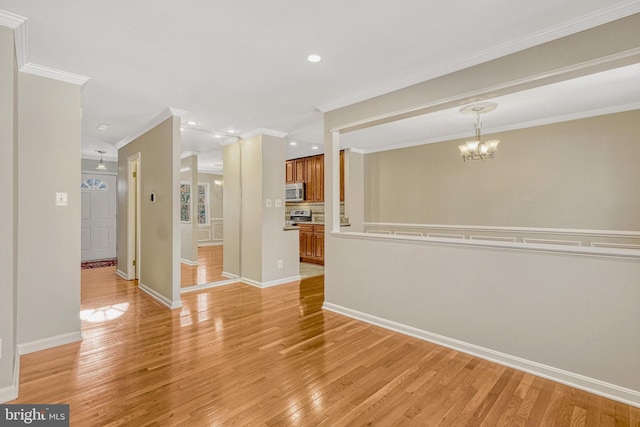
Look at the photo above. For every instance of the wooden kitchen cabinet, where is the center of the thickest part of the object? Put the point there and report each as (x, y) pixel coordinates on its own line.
(310, 170)
(312, 243)
(318, 244)
(314, 168)
(294, 171)
(298, 170)
(289, 172)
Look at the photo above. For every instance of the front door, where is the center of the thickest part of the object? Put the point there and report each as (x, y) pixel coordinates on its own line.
(98, 217)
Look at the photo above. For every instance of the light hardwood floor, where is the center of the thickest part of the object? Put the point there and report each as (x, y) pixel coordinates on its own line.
(238, 355)
(208, 270)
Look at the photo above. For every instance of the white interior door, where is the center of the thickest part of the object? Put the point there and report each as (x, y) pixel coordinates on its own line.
(98, 217)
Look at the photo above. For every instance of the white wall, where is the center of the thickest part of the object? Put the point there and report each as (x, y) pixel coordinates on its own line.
(159, 174)
(578, 174)
(569, 317)
(231, 209)
(253, 174)
(48, 235)
(252, 206)
(574, 313)
(277, 244)
(8, 214)
(354, 189)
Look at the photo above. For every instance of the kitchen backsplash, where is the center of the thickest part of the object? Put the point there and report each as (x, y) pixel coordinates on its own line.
(317, 210)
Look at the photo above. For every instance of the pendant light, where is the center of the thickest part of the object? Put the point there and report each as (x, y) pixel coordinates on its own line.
(101, 165)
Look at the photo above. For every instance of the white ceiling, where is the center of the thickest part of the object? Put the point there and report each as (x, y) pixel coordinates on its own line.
(242, 64)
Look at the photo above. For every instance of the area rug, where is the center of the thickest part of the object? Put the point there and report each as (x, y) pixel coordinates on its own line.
(99, 263)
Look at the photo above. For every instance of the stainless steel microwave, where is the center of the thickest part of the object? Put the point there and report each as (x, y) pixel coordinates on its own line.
(294, 192)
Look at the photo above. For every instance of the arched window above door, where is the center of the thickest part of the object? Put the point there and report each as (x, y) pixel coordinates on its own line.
(93, 184)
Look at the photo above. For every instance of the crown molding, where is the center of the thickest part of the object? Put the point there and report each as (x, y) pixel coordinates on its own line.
(176, 112)
(573, 26)
(52, 73)
(263, 131)
(358, 150)
(188, 154)
(230, 140)
(11, 20)
(166, 114)
(19, 26)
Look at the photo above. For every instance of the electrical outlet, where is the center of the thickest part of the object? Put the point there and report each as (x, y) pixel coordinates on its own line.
(280, 263)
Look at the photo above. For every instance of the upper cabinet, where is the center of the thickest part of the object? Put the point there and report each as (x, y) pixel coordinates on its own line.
(310, 170)
(289, 172)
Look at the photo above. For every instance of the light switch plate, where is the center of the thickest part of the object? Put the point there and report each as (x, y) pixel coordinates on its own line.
(62, 199)
(278, 203)
(268, 203)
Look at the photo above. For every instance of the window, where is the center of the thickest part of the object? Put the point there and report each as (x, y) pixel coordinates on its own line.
(203, 203)
(185, 203)
(93, 184)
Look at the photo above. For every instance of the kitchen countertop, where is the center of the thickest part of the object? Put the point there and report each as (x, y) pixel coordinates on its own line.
(295, 225)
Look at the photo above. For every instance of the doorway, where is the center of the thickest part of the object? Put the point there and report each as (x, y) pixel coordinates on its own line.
(133, 217)
(98, 213)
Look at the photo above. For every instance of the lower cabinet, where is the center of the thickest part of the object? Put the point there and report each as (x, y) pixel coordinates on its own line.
(312, 243)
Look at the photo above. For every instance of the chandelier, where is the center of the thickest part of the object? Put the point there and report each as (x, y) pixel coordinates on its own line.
(476, 149)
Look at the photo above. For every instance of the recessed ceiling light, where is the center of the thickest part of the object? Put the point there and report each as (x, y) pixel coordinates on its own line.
(230, 130)
(217, 135)
(314, 58)
(293, 143)
(103, 126)
(192, 123)
(315, 147)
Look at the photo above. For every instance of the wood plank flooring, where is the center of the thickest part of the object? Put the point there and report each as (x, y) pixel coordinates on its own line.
(208, 270)
(239, 355)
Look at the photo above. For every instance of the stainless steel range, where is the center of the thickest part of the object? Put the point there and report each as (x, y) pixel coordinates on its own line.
(300, 215)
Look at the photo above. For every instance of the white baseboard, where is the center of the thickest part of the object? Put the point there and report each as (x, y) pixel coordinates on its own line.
(236, 279)
(122, 274)
(591, 385)
(230, 275)
(10, 393)
(45, 343)
(271, 283)
(189, 262)
(203, 244)
(159, 297)
(207, 286)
